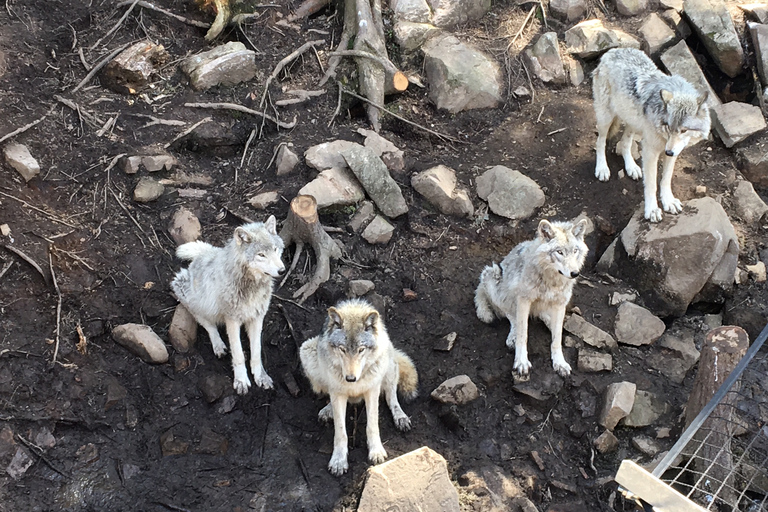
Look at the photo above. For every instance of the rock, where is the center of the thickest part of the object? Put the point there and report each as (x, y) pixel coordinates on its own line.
(392, 157)
(264, 200)
(5, 230)
(631, 7)
(328, 154)
(359, 287)
(591, 361)
(617, 298)
(712, 22)
(759, 34)
(493, 490)
(290, 383)
(735, 121)
(7, 443)
(19, 157)
(411, 10)
(184, 227)
(131, 70)
(286, 160)
(676, 5)
(365, 213)
(409, 295)
(115, 393)
(334, 187)
(545, 60)
(211, 443)
(130, 164)
(460, 76)
(438, 186)
(379, 231)
(690, 257)
(680, 61)
(20, 463)
(412, 36)
(648, 408)
(182, 332)
(509, 193)
(748, 204)
(214, 386)
(591, 38)
(590, 334)
(228, 64)
(147, 190)
(757, 271)
(142, 341)
(374, 176)
(676, 354)
(606, 442)
(172, 446)
(656, 34)
(156, 163)
(646, 445)
(449, 13)
(619, 399)
(418, 480)
(678, 24)
(575, 72)
(568, 10)
(458, 390)
(752, 159)
(637, 326)
(445, 344)
(227, 404)
(45, 440)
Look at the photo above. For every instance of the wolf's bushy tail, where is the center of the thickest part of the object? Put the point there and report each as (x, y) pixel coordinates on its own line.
(408, 380)
(489, 279)
(192, 250)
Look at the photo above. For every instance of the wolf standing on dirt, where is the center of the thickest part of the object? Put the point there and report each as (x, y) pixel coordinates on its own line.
(666, 112)
(535, 279)
(353, 359)
(232, 285)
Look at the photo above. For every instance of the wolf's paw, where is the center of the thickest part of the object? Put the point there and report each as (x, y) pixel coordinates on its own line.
(559, 364)
(522, 366)
(403, 422)
(633, 170)
(326, 414)
(262, 380)
(242, 382)
(485, 315)
(338, 465)
(653, 214)
(602, 173)
(219, 348)
(377, 455)
(671, 204)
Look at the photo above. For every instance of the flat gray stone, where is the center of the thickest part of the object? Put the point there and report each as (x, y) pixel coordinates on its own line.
(545, 59)
(752, 159)
(19, 157)
(328, 154)
(411, 36)
(646, 445)
(438, 186)
(334, 187)
(735, 121)
(182, 332)
(674, 355)
(590, 38)
(575, 72)
(359, 287)
(228, 64)
(759, 34)
(411, 10)
(449, 13)
(379, 231)
(619, 399)
(391, 155)
(363, 216)
(130, 164)
(680, 61)
(374, 176)
(656, 34)
(147, 189)
(568, 10)
(457, 390)
(286, 160)
(509, 193)
(20, 463)
(142, 341)
(712, 22)
(185, 226)
(648, 408)
(591, 361)
(637, 326)
(263, 200)
(748, 204)
(590, 334)
(678, 24)
(154, 163)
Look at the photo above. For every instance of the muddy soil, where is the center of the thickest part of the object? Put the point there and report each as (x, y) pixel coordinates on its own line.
(132, 436)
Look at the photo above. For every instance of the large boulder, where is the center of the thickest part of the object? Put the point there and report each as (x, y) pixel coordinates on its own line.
(686, 258)
(438, 186)
(334, 187)
(759, 33)
(591, 38)
(631, 7)
(656, 34)
(735, 121)
(448, 13)
(545, 60)
(373, 174)
(460, 76)
(714, 26)
(328, 154)
(509, 193)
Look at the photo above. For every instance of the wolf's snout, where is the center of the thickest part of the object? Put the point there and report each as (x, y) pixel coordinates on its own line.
(281, 271)
(669, 152)
(574, 274)
(350, 378)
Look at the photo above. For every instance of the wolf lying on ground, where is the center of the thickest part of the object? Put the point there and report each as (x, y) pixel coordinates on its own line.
(535, 279)
(666, 112)
(351, 360)
(232, 285)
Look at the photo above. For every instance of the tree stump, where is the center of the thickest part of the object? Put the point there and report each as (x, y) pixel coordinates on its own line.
(302, 226)
(722, 351)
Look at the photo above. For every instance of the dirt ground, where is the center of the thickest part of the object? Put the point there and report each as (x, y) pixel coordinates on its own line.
(110, 413)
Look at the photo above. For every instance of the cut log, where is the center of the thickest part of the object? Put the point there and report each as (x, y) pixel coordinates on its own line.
(307, 8)
(302, 226)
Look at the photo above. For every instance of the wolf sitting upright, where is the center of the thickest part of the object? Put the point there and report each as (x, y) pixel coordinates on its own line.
(666, 112)
(351, 360)
(535, 279)
(232, 285)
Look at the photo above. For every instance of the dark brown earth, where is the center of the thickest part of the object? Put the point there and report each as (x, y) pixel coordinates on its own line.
(110, 413)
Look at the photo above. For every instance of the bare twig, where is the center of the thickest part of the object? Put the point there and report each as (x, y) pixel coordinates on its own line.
(5, 268)
(58, 306)
(39, 452)
(82, 59)
(153, 7)
(245, 151)
(117, 25)
(24, 128)
(338, 107)
(240, 108)
(103, 62)
(90, 119)
(114, 162)
(307, 8)
(557, 131)
(156, 120)
(301, 97)
(82, 344)
(21, 254)
(188, 130)
(126, 210)
(280, 65)
(50, 216)
(522, 27)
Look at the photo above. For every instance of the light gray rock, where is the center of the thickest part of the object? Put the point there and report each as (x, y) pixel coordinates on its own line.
(363, 216)
(460, 76)
(590, 334)
(228, 64)
(147, 189)
(619, 399)
(379, 231)
(392, 157)
(759, 34)
(19, 157)
(328, 154)
(545, 60)
(359, 287)
(448, 13)
(154, 163)
(185, 226)
(509, 193)
(575, 72)
(568, 10)
(617, 298)
(606, 442)
(690, 257)
(411, 10)
(646, 445)
(735, 121)
(411, 36)
(656, 34)
(374, 176)
(131, 70)
(680, 61)
(286, 160)
(182, 332)
(457, 390)
(445, 344)
(20, 463)
(591, 38)
(748, 204)
(130, 164)
(334, 187)
(712, 22)
(418, 480)
(752, 158)
(676, 5)
(263, 200)
(438, 186)
(631, 7)
(142, 341)
(648, 408)
(592, 361)
(637, 326)
(678, 24)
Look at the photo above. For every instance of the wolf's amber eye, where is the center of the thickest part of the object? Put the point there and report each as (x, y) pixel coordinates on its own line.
(683, 131)
(361, 350)
(560, 252)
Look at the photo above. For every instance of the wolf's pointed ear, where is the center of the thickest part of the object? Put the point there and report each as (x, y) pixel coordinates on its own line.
(666, 96)
(271, 225)
(242, 236)
(546, 230)
(334, 318)
(579, 229)
(371, 320)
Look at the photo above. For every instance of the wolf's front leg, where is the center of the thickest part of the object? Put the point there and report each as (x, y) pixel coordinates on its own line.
(650, 171)
(338, 464)
(260, 377)
(555, 325)
(604, 122)
(519, 325)
(242, 382)
(219, 348)
(669, 202)
(376, 452)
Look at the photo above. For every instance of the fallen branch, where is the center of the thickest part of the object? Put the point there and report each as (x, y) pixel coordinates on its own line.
(50, 216)
(153, 7)
(280, 65)
(307, 8)
(21, 254)
(156, 120)
(301, 97)
(58, 307)
(90, 119)
(126, 210)
(117, 25)
(39, 452)
(5, 268)
(24, 128)
(223, 14)
(522, 27)
(188, 131)
(245, 110)
(95, 69)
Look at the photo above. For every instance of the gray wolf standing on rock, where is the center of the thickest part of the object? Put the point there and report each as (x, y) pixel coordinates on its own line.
(535, 279)
(352, 360)
(666, 112)
(232, 285)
